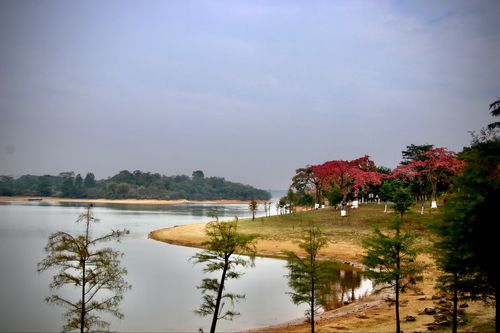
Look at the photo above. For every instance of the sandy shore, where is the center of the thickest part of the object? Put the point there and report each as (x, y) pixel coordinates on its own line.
(193, 235)
(370, 314)
(123, 201)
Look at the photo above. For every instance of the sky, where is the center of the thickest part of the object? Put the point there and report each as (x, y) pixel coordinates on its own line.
(246, 90)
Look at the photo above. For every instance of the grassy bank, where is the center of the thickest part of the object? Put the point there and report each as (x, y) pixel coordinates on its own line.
(280, 233)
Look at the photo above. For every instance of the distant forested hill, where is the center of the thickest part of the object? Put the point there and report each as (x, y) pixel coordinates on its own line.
(131, 185)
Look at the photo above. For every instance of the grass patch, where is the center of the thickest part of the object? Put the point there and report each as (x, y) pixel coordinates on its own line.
(358, 224)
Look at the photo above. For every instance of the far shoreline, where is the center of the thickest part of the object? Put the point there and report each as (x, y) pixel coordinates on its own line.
(9, 199)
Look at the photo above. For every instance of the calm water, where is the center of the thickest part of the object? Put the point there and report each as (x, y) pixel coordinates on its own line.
(163, 294)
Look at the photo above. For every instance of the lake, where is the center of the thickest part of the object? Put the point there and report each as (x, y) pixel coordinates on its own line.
(163, 295)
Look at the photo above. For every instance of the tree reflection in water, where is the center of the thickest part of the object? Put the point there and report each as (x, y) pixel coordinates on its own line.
(341, 286)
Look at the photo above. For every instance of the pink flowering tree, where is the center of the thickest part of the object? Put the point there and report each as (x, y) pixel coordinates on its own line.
(347, 176)
(435, 165)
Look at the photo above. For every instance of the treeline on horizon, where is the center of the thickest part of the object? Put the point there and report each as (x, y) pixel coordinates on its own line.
(130, 185)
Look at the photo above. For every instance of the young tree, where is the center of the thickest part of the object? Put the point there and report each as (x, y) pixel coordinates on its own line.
(252, 206)
(222, 253)
(307, 276)
(96, 271)
(214, 213)
(391, 258)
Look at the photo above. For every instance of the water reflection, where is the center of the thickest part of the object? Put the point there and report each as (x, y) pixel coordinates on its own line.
(164, 293)
(344, 285)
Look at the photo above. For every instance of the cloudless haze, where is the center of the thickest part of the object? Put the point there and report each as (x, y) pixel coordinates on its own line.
(246, 90)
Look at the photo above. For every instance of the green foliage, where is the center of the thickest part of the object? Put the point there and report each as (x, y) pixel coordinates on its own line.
(222, 253)
(391, 257)
(414, 152)
(388, 188)
(136, 185)
(466, 241)
(252, 206)
(334, 195)
(95, 270)
(402, 200)
(45, 186)
(307, 276)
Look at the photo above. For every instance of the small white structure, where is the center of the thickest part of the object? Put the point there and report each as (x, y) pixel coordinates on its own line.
(434, 204)
(355, 204)
(343, 212)
(316, 206)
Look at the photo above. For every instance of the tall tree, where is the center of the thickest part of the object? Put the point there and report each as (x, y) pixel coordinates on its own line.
(222, 254)
(436, 165)
(252, 206)
(89, 180)
(391, 257)
(45, 185)
(414, 153)
(68, 179)
(307, 275)
(348, 176)
(95, 270)
(466, 238)
(306, 180)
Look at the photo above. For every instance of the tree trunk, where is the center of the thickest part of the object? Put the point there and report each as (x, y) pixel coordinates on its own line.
(219, 295)
(398, 325)
(454, 323)
(82, 315)
(312, 293)
(398, 268)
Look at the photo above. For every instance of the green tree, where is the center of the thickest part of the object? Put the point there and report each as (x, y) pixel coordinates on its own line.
(222, 254)
(198, 175)
(414, 153)
(95, 270)
(45, 185)
(67, 188)
(214, 213)
(252, 206)
(307, 274)
(466, 238)
(89, 180)
(391, 258)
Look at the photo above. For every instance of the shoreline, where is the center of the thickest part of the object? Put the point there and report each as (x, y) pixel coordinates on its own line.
(370, 313)
(7, 199)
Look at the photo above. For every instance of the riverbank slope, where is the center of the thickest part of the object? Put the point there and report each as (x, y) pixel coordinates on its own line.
(371, 314)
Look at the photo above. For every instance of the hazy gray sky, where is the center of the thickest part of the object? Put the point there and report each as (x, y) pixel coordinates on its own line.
(246, 90)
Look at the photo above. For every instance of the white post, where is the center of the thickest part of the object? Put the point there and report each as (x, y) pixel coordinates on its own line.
(385, 208)
(434, 204)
